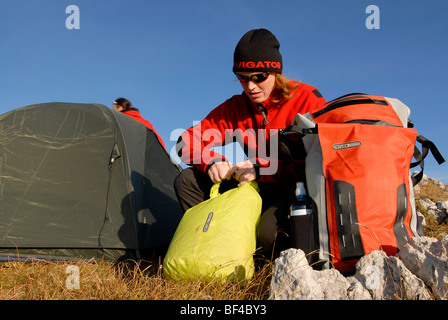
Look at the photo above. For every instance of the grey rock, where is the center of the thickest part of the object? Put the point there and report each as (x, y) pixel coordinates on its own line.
(426, 258)
(377, 277)
(386, 278)
(294, 279)
(439, 215)
(357, 290)
(426, 179)
(442, 205)
(438, 210)
(426, 203)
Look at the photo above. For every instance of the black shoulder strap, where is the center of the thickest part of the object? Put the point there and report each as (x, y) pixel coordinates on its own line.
(427, 145)
(285, 152)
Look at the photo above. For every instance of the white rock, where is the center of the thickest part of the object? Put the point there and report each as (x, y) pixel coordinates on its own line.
(442, 205)
(427, 258)
(386, 278)
(426, 203)
(294, 279)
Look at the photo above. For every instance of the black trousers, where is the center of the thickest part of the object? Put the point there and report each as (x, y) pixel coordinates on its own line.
(193, 187)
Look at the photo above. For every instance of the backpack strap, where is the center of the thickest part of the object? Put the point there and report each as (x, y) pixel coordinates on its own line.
(285, 150)
(427, 145)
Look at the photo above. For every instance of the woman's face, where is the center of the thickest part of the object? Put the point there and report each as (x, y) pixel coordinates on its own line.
(118, 107)
(258, 92)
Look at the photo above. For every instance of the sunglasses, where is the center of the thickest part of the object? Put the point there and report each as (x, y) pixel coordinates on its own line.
(257, 78)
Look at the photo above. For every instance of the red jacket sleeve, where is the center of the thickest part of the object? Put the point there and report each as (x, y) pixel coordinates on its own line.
(195, 144)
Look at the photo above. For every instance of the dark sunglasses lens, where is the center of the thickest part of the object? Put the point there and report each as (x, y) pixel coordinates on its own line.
(257, 78)
(241, 77)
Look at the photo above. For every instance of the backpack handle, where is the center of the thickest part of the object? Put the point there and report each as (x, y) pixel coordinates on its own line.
(347, 100)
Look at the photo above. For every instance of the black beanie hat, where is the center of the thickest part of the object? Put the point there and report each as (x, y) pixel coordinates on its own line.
(258, 51)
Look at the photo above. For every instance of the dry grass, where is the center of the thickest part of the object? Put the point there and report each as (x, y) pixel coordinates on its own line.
(434, 193)
(126, 281)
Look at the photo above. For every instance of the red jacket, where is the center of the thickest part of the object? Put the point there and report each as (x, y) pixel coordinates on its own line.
(238, 119)
(137, 116)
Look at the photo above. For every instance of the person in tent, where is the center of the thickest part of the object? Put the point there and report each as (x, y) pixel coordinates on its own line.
(124, 105)
(269, 102)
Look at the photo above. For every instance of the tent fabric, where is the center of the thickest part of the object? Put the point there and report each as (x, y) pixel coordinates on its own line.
(83, 179)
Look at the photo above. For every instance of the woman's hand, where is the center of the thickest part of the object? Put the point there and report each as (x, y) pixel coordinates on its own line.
(243, 172)
(220, 171)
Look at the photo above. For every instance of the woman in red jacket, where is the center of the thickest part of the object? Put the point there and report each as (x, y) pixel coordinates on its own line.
(124, 105)
(268, 103)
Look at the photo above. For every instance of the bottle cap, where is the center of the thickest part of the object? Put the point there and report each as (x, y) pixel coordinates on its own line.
(300, 189)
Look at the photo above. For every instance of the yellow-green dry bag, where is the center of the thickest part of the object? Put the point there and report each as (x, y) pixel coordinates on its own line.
(217, 238)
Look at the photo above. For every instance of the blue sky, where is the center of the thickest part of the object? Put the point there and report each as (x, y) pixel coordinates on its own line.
(173, 59)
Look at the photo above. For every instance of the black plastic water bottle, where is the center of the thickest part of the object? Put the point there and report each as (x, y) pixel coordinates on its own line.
(300, 216)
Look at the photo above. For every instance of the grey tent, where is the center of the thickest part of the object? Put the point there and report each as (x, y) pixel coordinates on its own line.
(82, 180)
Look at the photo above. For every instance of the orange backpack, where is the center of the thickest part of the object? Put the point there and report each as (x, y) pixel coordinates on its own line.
(359, 150)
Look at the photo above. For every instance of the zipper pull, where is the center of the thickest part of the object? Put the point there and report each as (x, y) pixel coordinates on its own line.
(264, 113)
